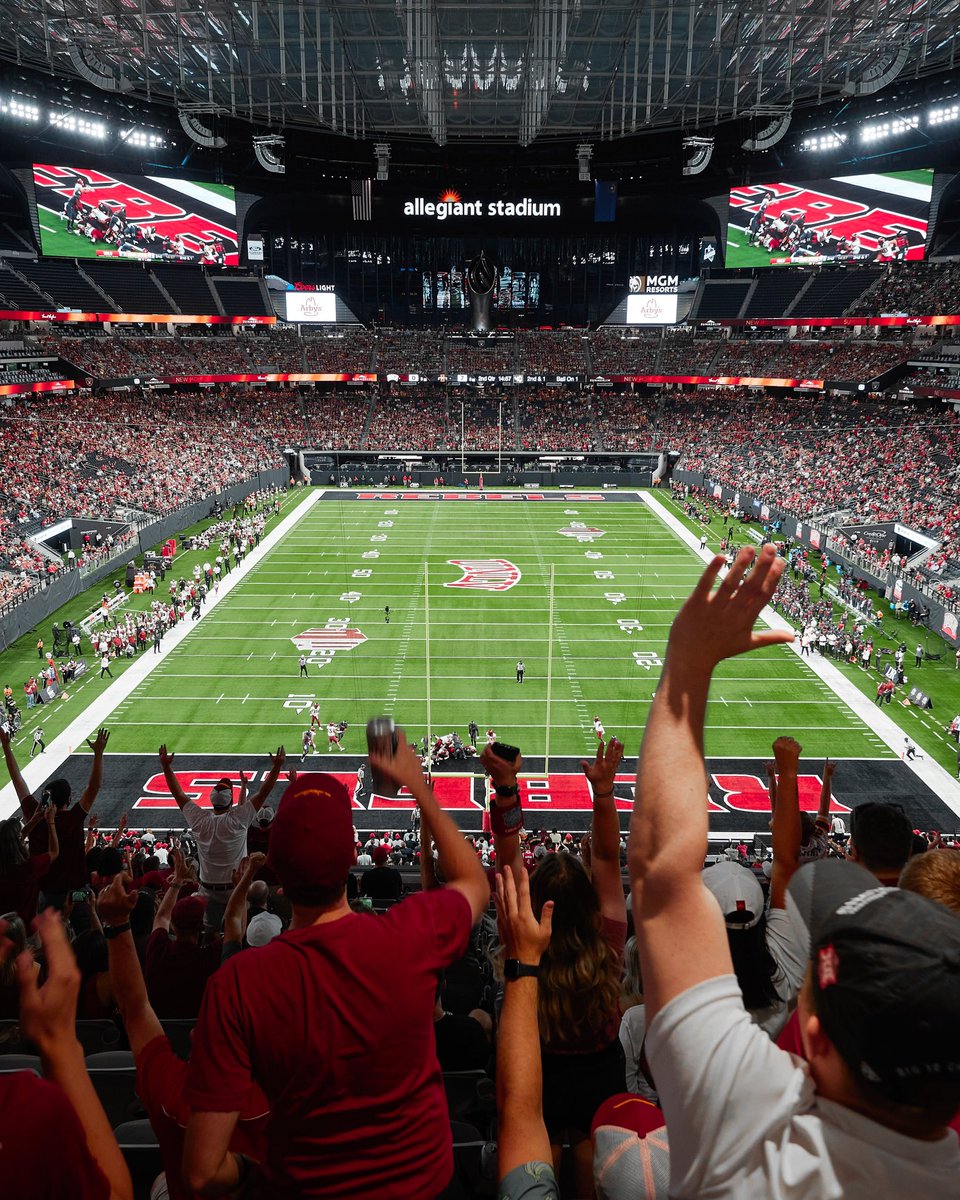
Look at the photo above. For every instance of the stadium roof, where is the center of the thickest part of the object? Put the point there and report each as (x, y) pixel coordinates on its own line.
(471, 70)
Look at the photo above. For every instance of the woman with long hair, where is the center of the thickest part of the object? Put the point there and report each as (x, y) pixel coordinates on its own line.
(580, 972)
(21, 871)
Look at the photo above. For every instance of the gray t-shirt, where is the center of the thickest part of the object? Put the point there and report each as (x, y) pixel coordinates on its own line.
(745, 1120)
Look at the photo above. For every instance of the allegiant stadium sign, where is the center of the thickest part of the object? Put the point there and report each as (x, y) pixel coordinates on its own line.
(452, 204)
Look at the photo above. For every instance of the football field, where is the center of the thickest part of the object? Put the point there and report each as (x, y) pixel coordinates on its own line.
(581, 587)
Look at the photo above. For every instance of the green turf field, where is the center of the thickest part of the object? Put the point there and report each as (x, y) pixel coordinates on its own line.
(233, 686)
(57, 240)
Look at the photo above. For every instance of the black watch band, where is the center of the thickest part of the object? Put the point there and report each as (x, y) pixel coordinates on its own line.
(504, 791)
(112, 931)
(513, 968)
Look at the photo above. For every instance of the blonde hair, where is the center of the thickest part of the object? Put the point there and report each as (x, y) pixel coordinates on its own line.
(936, 875)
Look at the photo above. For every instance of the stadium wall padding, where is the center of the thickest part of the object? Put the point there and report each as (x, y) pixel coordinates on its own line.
(28, 614)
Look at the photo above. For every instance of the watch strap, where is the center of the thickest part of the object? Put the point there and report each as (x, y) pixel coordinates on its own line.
(513, 968)
(112, 931)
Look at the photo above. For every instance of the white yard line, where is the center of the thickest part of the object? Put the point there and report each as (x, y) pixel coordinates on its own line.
(931, 773)
(100, 711)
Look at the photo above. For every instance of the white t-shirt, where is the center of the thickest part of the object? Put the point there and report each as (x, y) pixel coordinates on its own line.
(221, 840)
(788, 942)
(633, 1029)
(745, 1120)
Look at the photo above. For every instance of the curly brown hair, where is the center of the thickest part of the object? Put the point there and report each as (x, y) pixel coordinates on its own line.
(580, 972)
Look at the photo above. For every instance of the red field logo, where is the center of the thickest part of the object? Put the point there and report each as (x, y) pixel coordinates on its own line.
(485, 574)
(329, 639)
(582, 533)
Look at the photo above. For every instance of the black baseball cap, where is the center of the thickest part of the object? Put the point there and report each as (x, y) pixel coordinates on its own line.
(886, 977)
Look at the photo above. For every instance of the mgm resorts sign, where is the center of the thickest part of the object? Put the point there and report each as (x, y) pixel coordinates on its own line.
(654, 284)
(451, 204)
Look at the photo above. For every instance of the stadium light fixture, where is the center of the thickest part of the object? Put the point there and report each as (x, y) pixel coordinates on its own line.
(269, 151)
(20, 108)
(381, 151)
(144, 139)
(881, 130)
(944, 115)
(831, 140)
(78, 123)
(584, 154)
(699, 160)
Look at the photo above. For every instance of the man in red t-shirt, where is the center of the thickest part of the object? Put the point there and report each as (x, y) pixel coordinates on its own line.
(69, 872)
(315, 1016)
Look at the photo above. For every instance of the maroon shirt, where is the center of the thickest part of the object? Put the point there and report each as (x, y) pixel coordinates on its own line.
(20, 888)
(176, 974)
(335, 1023)
(67, 1171)
(69, 870)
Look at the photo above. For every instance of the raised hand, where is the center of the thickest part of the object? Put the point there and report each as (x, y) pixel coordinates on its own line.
(166, 757)
(277, 760)
(787, 749)
(115, 903)
(714, 625)
(402, 768)
(503, 773)
(602, 770)
(48, 1014)
(99, 744)
(524, 937)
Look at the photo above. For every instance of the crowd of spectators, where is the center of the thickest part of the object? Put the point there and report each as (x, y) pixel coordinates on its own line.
(335, 420)
(341, 351)
(624, 352)
(760, 1031)
(496, 356)
(556, 419)
(128, 452)
(916, 288)
(551, 353)
(812, 455)
(410, 352)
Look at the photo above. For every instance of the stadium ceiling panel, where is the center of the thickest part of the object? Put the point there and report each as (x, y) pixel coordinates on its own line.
(462, 70)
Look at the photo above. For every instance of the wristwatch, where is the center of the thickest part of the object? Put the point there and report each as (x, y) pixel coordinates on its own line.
(513, 968)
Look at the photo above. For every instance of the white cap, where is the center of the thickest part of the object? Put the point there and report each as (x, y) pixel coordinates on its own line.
(263, 928)
(738, 893)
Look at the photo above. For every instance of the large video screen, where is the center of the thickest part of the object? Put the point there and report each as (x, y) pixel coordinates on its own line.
(513, 289)
(848, 219)
(86, 214)
(311, 307)
(652, 309)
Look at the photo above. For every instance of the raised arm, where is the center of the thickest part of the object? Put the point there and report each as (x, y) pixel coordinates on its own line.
(235, 914)
(505, 796)
(823, 810)
(27, 802)
(48, 1017)
(428, 868)
(114, 906)
(179, 879)
(786, 820)
(53, 840)
(98, 745)
(259, 798)
(461, 868)
(605, 830)
(176, 791)
(668, 829)
(521, 1132)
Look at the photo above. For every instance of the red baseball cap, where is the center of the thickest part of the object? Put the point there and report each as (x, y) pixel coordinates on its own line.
(187, 915)
(380, 856)
(311, 838)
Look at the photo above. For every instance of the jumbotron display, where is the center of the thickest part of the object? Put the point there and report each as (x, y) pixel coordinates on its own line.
(851, 219)
(513, 289)
(85, 213)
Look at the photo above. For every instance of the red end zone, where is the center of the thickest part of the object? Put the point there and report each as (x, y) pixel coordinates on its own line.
(553, 793)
